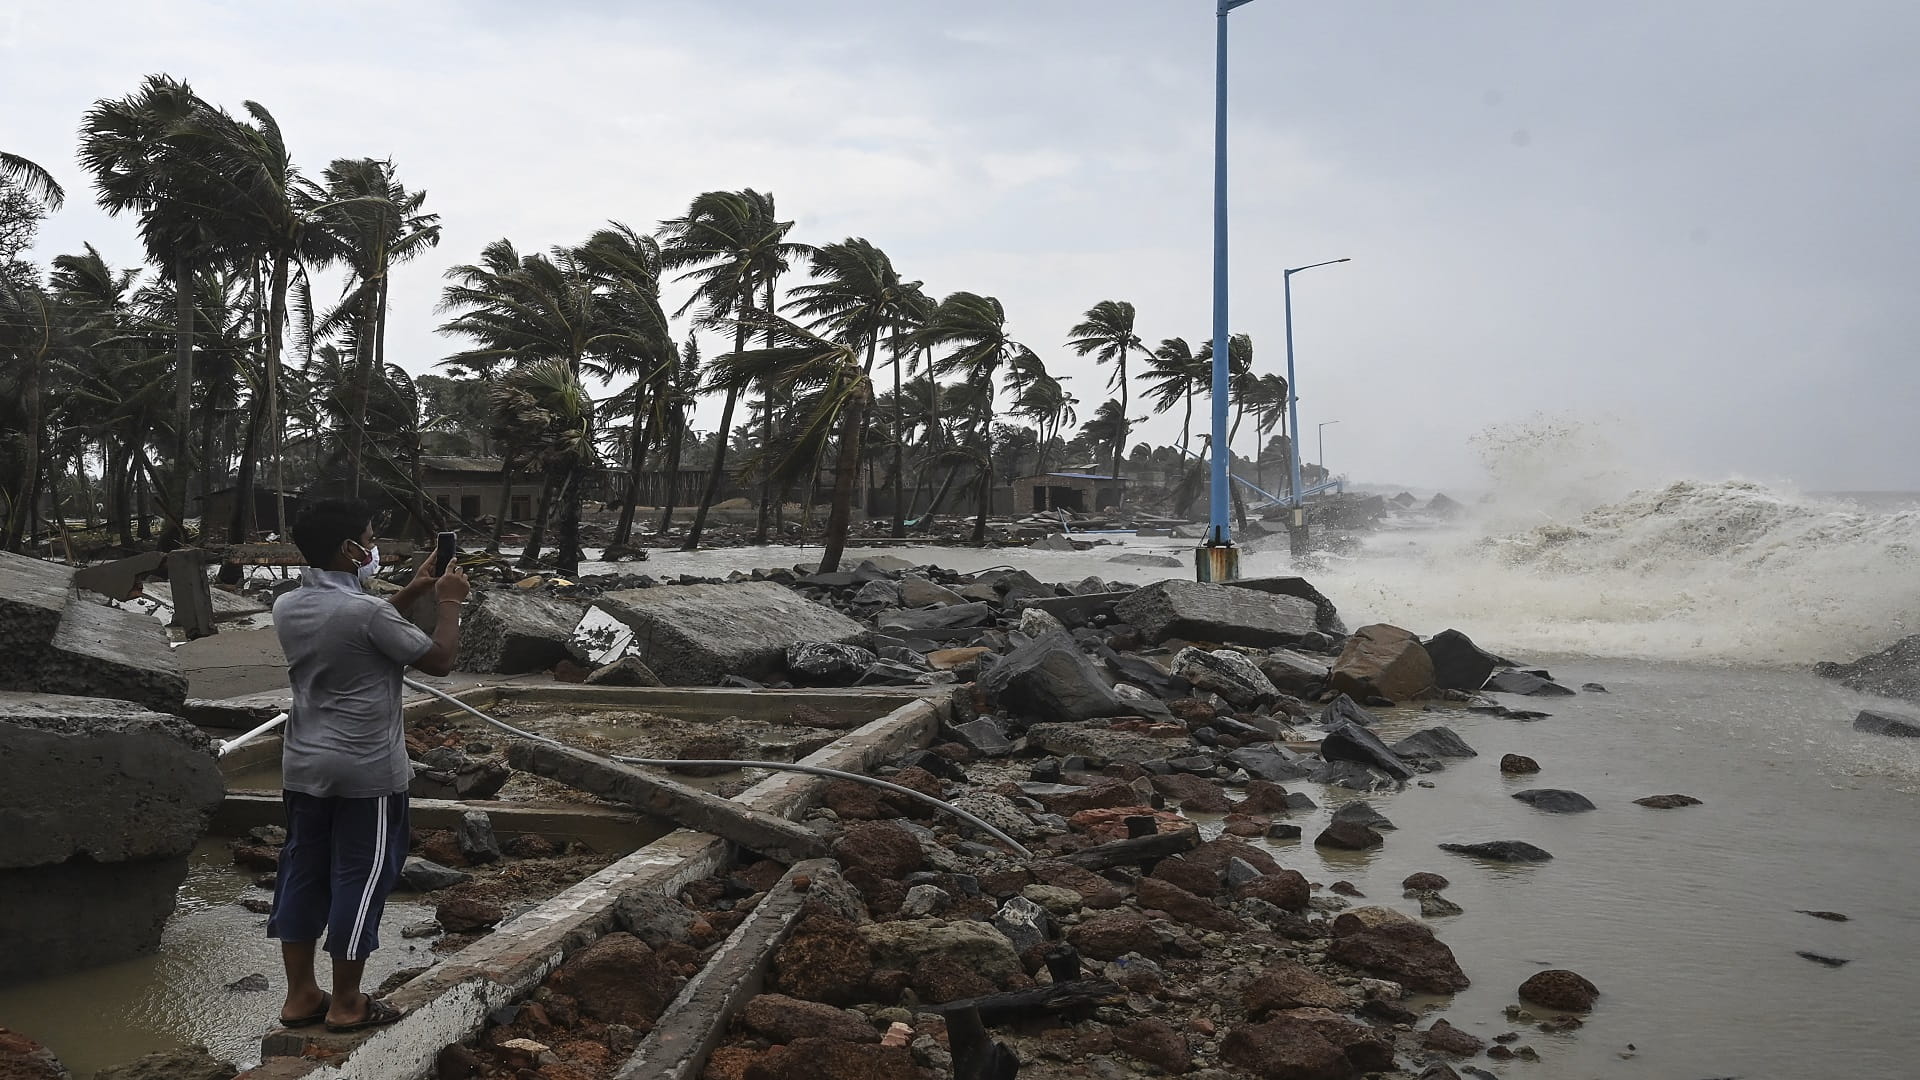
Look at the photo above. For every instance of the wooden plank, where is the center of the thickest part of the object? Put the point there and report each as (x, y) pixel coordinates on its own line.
(1135, 850)
(772, 836)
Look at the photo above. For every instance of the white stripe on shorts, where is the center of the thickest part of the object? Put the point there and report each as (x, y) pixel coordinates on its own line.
(373, 881)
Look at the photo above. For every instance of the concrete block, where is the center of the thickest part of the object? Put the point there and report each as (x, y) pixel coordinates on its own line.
(508, 632)
(108, 652)
(1197, 611)
(696, 635)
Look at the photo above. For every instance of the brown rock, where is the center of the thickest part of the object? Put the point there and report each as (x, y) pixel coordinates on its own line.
(1518, 765)
(466, 915)
(1407, 953)
(1264, 797)
(1424, 882)
(1382, 661)
(1251, 828)
(256, 856)
(1110, 822)
(1098, 796)
(1348, 836)
(1115, 934)
(1346, 888)
(1447, 1039)
(1216, 853)
(942, 978)
(920, 780)
(22, 1058)
(1365, 1049)
(1193, 711)
(1287, 985)
(1559, 989)
(955, 659)
(825, 960)
(855, 802)
(730, 1063)
(784, 1019)
(527, 846)
(1284, 1049)
(880, 848)
(617, 980)
(1284, 888)
(1156, 1043)
(826, 1059)
(1006, 884)
(443, 847)
(1193, 793)
(886, 985)
(1357, 920)
(1186, 907)
(1667, 802)
(1198, 880)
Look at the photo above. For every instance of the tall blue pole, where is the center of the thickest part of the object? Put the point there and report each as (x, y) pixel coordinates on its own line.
(1218, 534)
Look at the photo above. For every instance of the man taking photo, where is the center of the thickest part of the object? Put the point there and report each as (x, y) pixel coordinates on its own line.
(345, 763)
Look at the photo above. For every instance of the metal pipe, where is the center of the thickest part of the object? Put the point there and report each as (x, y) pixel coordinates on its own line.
(777, 766)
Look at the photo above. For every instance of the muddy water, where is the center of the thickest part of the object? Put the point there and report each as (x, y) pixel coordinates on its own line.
(178, 996)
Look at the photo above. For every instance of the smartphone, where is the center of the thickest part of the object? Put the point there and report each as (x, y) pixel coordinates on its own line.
(443, 552)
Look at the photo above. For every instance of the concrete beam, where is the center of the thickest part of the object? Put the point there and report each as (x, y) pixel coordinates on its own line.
(450, 1002)
(602, 828)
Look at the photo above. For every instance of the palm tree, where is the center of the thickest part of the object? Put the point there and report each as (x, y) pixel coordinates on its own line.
(1173, 374)
(37, 182)
(677, 400)
(547, 400)
(145, 158)
(974, 330)
(733, 245)
(1107, 332)
(1039, 397)
(625, 267)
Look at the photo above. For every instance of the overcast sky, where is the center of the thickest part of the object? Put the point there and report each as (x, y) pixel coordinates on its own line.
(1693, 222)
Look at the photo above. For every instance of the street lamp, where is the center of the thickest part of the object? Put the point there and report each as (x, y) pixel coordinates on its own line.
(1321, 430)
(1216, 560)
(1293, 393)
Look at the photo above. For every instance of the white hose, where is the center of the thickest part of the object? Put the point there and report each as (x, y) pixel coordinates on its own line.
(223, 747)
(778, 766)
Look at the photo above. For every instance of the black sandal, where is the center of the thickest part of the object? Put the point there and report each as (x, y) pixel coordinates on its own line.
(312, 1018)
(378, 1013)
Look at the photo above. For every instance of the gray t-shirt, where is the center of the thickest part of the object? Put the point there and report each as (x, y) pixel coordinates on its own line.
(346, 651)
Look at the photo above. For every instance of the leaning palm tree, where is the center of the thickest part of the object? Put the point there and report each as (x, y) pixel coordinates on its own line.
(625, 267)
(547, 400)
(733, 246)
(1174, 374)
(973, 330)
(1107, 332)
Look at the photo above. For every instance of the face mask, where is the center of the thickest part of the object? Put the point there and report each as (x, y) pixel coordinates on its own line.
(371, 567)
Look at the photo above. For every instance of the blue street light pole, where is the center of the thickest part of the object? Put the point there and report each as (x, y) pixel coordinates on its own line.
(1298, 521)
(1217, 560)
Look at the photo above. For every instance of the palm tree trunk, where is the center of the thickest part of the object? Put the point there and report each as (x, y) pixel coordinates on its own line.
(365, 344)
(505, 505)
(265, 401)
(986, 488)
(845, 477)
(1186, 425)
(530, 557)
(670, 497)
(175, 502)
(636, 464)
(1120, 433)
(899, 529)
(718, 471)
(569, 555)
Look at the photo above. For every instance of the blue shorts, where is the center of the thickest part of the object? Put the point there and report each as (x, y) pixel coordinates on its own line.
(342, 858)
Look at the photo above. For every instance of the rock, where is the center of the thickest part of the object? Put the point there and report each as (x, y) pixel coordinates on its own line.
(1667, 802)
(1559, 989)
(656, 919)
(1511, 851)
(1270, 763)
(826, 663)
(1284, 1049)
(881, 848)
(1088, 609)
(1100, 744)
(1326, 617)
(811, 1058)
(1382, 661)
(1156, 1043)
(1195, 878)
(1459, 664)
(249, 984)
(421, 875)
(1024, 921)
(1361, 812)
(1440, 1070)
(1292, 672)
(1036, 623)
(1435, 742)
(783, 1019)
(918, 592)
(1447, 1039)
(1348, 836)
(937, 620)
(1227, 673)
(514, 632)
(465, 915)
(1882, 723)
(627, 671)
(1518, 765)
(1434, 906)
(1424, 882)
(1196, 611)
(958, 660)
(1404, 951)
(1829, 916)
(1111, 935)
(1194, 794)
(1051, 679)
(1593, 688)
(103, 803)
(617, 980)
(188, 1063)
(1141, 558)
(1281, 830)
(974, 945)
(1351, 742)
(1288, 985)
(985, 737)
(826, 959)
(924, 900)
(1526, 683)
(1183, 906)
(1555, 800)
(477, 842)
(1892, 672)
(876, 594)
(696, 635)
(1283, 889)
(1343, 710)
(1822, 959)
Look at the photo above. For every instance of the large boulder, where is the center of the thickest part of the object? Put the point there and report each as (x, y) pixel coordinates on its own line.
(617, 980)
(1434, 742)
(1051, 679)
(1892, 672)
(1284, 1048)
(906, 944)
(1229, 674)
(1383, 661)
(104, 801)
(1400, 949)
(1325, 615)
(514, 632)
(697, 635)
(1101, 744)
(1351, 742)
(1197, 611)
(1879, 722)
(1292, 672)
(22, 1058)
(1459, 664)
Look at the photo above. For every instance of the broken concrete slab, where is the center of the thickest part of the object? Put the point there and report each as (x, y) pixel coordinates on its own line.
(109, 652)
(104, 802)
(33, 595)
(513, 632)
(1326, 616)
(697, 635)
(1196, 611)
(950, 617)
(1072, 611)
(227, 606)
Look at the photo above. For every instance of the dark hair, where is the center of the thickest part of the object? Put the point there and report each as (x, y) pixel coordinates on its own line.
(326, 525)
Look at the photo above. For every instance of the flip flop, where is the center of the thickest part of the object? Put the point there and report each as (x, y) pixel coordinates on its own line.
(378, 1013)
(312, 1018)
